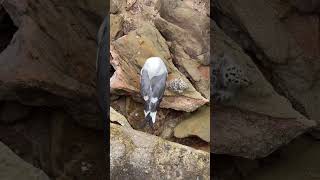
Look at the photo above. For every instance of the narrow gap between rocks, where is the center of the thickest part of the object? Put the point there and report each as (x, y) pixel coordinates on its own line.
(112, 70)
(7, 29)
(192, 141)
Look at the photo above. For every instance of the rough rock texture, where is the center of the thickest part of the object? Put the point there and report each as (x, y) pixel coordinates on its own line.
(171, 30)
(51, 58)
(187, 30)
(252, 136)
(249, 125)
(140, 29)
(196, 124)
(47, 62)
(293, 73)
(279, 41)
(13, 167)
(116, 24)
(119, 118)
(129, 53)
(137, 155)
(141, 35)
(139, 39)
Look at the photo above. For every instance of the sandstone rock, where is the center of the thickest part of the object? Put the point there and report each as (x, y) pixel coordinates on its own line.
(117, 117)
(142, 40)
(264, 27)
(114, 6)
(51, 59)
(129, 53)
(260, 90)
(134, 11)
(11, 112)
(189, 39)
(201, 6)
(140, 156)
(182, 42)
(116, 26)
(253, 135)
(130, 3)
(197, 124)
(293, 72)
(250, 124)
(12, 167)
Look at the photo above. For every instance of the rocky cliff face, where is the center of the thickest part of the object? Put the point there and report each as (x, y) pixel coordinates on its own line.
(280, 52)
(47, 82)
(178, 32)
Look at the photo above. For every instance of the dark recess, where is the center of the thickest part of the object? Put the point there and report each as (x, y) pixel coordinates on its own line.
(7, 29)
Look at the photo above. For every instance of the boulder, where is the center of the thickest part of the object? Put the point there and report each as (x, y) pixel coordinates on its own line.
(187, 30)
(50, 60)
(129, 53)
(119, 118)
(196, 124)
(293, 72)
(257, 120)
(138, 155)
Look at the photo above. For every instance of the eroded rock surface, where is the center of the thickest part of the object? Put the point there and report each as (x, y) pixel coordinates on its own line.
(119, 118)
(171, 30)
(293, 71)
(138, 155)
(196, 124)
(129, 53)
(51, 58)
(257, 113)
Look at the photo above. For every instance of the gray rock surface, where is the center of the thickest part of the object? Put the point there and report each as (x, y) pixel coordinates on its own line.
(251, 123)
(51, 58)
(13, 167)
(293, 72)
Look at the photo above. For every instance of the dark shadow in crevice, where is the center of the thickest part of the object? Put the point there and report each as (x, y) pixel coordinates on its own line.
(7, 29)
(112, 70)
